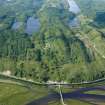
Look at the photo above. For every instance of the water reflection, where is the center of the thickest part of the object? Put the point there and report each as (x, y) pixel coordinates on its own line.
(74, 22)
(32, 25)
(17, 25)
(73, 7)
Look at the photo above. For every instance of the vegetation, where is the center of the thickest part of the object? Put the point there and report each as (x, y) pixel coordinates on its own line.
(18, 95)
(90, 7)
(55, 52)
(97, 92)
(56, 49)
(14, 94)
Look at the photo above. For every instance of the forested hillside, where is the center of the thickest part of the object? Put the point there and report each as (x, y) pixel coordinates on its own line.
(42, 39)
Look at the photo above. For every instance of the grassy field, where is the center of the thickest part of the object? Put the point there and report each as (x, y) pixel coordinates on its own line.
(11, 94)
(97, 92)
(17, 95)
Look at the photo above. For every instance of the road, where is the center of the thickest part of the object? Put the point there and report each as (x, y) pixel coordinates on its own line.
(25, 81)
(61, 96)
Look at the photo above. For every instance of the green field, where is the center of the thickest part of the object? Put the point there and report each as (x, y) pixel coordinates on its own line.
(18, 95)
(11, 94)
(98, 92)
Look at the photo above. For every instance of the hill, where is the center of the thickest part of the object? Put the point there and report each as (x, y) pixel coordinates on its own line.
(41, 40)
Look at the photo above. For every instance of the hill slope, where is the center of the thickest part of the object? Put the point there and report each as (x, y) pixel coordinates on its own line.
(76, 52)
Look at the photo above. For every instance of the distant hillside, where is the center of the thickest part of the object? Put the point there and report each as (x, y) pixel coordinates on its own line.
(90, 7)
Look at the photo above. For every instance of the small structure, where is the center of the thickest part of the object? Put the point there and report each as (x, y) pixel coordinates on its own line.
(8, 72)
